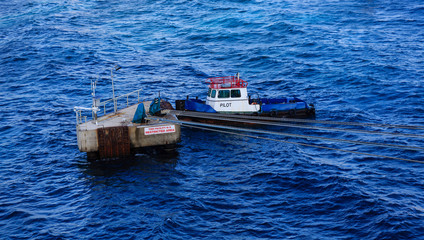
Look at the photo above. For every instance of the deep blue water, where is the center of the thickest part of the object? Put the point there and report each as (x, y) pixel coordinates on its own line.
(360, 61)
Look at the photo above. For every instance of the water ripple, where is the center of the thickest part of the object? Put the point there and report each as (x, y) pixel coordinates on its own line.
(356, 61)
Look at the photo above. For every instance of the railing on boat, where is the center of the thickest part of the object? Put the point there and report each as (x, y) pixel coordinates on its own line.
(227, 82)
(97, 106)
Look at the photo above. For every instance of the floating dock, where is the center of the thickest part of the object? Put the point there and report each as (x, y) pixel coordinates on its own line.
(122, 132)
(115, 135)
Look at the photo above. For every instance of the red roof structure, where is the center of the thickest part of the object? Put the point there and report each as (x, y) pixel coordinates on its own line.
(226, 82)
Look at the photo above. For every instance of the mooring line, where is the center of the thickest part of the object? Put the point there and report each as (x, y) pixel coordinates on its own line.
(292, 135)
(415, 127)
(280, 124)
(305, 144)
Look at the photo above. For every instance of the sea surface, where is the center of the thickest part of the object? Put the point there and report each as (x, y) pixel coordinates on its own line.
(356, 61)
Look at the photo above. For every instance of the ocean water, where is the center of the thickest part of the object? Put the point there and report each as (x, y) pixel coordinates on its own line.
(360, 61)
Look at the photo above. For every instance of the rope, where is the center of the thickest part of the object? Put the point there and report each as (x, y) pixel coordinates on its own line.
(305, 144)
(293, 135)
(186, 113)
(303, 126)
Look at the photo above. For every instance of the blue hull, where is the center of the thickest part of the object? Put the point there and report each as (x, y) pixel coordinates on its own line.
(274, 107)
(198, 106)
(282, 104)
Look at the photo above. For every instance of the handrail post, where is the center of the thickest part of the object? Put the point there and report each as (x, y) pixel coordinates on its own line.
(115, 107)
(113, 91)
(76, 115)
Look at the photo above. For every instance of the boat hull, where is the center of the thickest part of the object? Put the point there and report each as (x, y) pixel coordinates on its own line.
(269, 108)
(275, 112)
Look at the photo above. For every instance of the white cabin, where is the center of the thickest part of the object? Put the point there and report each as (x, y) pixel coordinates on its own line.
(229, 95)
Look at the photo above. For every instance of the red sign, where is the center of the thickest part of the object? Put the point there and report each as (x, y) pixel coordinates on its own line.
(159, 130)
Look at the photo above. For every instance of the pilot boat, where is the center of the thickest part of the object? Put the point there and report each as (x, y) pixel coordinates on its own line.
(229, 95)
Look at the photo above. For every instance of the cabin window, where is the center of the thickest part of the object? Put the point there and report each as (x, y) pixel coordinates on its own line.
(213, 93)
(209, 92)
(235, 93)
(224, 94)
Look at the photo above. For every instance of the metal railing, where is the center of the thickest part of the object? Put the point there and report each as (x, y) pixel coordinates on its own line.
(79, 116)
(115, 100)
(227, 82)
(97, 108)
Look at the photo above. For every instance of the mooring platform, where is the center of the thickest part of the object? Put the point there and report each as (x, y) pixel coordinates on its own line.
(116, 135)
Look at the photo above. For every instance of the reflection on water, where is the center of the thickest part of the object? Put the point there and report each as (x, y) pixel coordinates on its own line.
(148, 159)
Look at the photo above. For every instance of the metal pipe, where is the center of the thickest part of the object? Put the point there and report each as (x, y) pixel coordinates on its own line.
(76, 117)
(306, 120)
(113, 91)
(415, 148)
(281, 124)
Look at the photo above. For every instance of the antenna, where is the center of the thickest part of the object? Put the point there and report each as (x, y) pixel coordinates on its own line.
(93, 86)
(116, 67)
(93, 94)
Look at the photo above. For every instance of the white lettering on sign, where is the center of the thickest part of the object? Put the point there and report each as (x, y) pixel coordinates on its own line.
(225, 104)
(159, 130)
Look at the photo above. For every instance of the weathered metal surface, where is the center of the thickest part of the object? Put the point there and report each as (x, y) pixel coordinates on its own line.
(113, 142)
